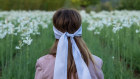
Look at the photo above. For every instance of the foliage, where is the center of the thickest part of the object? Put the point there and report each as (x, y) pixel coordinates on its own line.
(129, 4)
(84, 3)
(104, 6)
(31, 4)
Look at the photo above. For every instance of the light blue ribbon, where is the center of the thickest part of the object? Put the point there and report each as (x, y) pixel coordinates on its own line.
(60, 69)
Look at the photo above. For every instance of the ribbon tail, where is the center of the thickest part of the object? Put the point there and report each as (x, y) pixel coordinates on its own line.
(82, 69)
(60, 69)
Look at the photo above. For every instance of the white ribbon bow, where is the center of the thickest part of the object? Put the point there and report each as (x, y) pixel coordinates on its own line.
(60, 69)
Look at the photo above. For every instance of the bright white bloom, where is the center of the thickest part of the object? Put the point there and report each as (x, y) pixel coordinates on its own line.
(96, 32)
(27, 40)
(115, 29)
(137, 31)
(17, 47)
(113, 57)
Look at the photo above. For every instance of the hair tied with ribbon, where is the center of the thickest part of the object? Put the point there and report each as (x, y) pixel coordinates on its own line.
(60, 69)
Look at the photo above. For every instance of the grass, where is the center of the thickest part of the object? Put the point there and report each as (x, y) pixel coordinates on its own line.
(119, 53)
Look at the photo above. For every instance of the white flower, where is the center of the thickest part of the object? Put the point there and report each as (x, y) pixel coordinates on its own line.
(96, 33)
(27, 40)
(90, 28)
(137, 31)
(17, 47)
(2, 35)
(113, 57)
(115, 29)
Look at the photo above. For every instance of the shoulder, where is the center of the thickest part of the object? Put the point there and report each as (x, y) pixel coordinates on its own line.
(45, 60)
(45, 57)
(98, 60)
(45, 67)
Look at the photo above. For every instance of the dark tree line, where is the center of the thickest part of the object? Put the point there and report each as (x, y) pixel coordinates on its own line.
(56, 4)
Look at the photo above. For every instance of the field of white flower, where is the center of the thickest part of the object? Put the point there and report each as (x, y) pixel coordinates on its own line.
(114, 36)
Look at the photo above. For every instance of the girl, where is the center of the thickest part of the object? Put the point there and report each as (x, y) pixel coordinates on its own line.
(69, 57)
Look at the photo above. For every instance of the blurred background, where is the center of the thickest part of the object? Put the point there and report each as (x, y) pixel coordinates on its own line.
(88, 5)
(111, 30)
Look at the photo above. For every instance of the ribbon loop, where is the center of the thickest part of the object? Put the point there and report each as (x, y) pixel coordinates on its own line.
(69, 35)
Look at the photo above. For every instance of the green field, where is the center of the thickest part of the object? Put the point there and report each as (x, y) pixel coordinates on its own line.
(119, 51)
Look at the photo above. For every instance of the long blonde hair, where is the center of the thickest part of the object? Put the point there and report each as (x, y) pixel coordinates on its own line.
(69, 20)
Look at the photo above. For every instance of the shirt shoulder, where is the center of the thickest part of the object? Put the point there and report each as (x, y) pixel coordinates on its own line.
(46, 61)
(45, 67)
(98, 60)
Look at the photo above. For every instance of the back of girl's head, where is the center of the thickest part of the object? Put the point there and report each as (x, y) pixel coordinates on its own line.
(67, 20)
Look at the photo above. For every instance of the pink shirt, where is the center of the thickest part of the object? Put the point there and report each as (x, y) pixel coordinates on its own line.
(45, 67)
